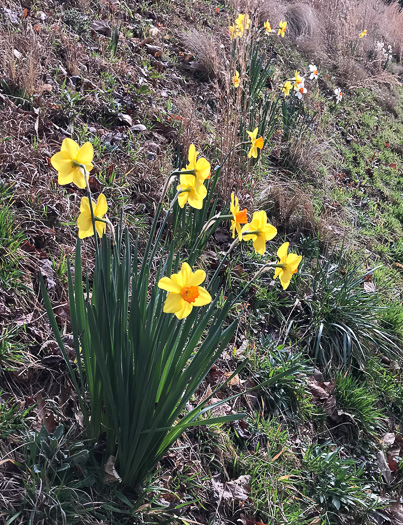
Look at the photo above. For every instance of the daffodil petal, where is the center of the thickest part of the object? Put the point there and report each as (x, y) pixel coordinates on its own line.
(65, 177)
(61, 161)
(203, 299)
(100, 227)
(282, 251)
(182, 198)
(71, 147)
(78, 178)
(173, 303)
(277, 272)
(184, 311)
(85, 154)
(269, 232)
(169, 285)
(293, 261)
(285, 278)
(203, 169)
(102, 207)
(185, 274)
(196, 278)
(84, 224)
(260, 244)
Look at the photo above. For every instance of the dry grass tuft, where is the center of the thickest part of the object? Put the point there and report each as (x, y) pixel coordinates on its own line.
(290, 208)
(204, 46)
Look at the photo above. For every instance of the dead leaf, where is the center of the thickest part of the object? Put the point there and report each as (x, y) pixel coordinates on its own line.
(46, 418)
(101, 27)
(111, 475)
(139, 127)
(126, 118)
(388, 438)
(384, 467)
(48, 274)
(369, 287)
(238, 489)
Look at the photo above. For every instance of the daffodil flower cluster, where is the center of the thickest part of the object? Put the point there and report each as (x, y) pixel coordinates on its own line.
(191, 188)
(184, 291)
(73, 165)
(241, 25)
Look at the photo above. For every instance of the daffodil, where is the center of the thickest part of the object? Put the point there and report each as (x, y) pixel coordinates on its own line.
(84, 221)
(297, 79)
(363, 33)
(235, 32)
(243, 21)
(192, 191)
(256, 143)
(184, 291)
(268, 28)
(67, 162)
(239, 217)
(288, 265)
(235, 79)
(282, 28)
(300, 91)
(259, 231)
(200, 167)
(287, 87)
(314, 72)
(339, 95)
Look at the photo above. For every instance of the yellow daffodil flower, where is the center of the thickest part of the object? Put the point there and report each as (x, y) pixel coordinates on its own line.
(240, 217)
(283, 27)
(84, 221)
(235, 32)
(184, 291)
(268, 28)
(259, 231)
(256, 143)
(201, 167)
(67, 161)
(192, 190)
(297, 79)
(235, 79)
(363, 33)
(287, 88)
(243, 21)
(289, 265)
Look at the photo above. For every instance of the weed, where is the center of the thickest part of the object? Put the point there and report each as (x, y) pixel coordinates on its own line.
(353, 398)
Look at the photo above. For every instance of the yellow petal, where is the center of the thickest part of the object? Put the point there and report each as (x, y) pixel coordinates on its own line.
(285, 278)
(184, 311)
(173, 303)
(260, 244)
(101, 207)
(169, 285)
(195, 202)
(86, 154)
(277, 272)
(61, 161)
(100, 227)
(185, 274)
(197, 278)
(293, 261)
(269, 232)
(78, 178)
(71, 147)
(192, 155)
(282, 252)
(260, 219)
(84, 224)
(85, 205)
(253, 152)
(65, 177)
(182, 197)
(203, 169)
(204, 297)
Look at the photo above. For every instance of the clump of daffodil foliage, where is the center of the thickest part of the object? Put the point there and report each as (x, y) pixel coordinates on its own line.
(144, 344)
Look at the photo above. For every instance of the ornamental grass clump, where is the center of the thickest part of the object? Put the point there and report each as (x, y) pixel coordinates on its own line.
(148, 325)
